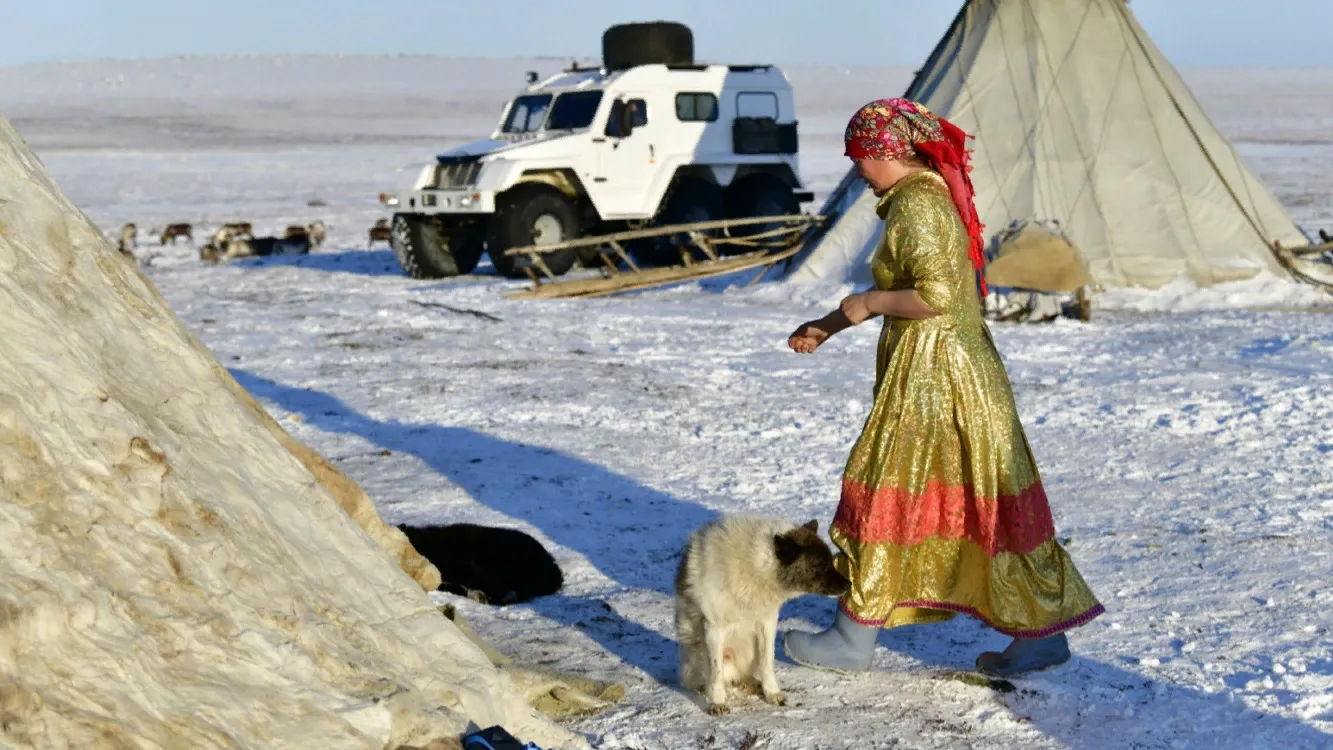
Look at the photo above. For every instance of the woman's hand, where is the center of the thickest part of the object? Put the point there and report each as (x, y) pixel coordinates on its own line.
(808, 336)
(856, 308)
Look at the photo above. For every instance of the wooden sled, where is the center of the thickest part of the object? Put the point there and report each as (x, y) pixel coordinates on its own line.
(1307, 263)
(699, 256)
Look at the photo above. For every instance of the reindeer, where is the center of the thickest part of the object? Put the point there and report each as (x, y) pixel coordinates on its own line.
(380, 231)
(228, 231)
(177, 230)
(129, 239)
(314, 232)
(258, 247)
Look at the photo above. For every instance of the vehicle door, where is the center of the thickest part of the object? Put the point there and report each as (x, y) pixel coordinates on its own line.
(626, 156)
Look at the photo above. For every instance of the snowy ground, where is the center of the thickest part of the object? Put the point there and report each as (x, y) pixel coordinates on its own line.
(1187, 453)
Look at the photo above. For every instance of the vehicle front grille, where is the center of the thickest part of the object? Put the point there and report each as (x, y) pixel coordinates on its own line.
(459, 175)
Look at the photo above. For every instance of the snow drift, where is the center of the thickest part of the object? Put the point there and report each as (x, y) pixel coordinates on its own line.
(176, 571)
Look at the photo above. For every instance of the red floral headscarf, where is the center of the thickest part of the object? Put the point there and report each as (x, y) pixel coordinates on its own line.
(901, 128)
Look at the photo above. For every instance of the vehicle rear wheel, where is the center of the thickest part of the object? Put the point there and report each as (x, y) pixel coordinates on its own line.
(691, 200)
(427, 249)
(532, 215)
(758, 195)
(590, 257)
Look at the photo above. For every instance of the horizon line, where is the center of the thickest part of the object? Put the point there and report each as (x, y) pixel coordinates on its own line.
(515, 58)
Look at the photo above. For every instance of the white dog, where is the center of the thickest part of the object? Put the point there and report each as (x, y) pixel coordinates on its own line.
(734, 576)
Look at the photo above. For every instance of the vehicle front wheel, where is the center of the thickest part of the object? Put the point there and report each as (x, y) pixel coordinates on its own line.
(426, 249)
(532, 215)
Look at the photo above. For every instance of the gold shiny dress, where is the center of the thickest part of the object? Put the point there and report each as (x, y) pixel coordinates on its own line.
(942, 508)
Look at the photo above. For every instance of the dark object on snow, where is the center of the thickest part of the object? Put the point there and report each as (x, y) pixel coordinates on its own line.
(659, 42)
(264, 246)
(495, 738)
(488, 564)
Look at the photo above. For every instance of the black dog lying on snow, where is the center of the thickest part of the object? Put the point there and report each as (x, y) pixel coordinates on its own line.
(488, 564)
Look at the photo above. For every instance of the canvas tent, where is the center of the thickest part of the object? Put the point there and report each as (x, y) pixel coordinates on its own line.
(174, 570)
(1080, 120)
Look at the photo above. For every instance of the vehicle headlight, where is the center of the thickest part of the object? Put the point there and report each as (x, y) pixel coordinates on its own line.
(388, 200)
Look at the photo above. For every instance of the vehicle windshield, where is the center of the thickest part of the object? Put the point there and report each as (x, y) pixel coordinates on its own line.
(527, 114)
(574, 110)
(568, 112)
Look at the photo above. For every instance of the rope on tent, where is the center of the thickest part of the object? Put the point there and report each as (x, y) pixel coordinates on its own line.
(1045, 97)
(1157, 133)
(1124, 11)
(1097, 153)
(919, 90)
(1287, 257)
(1037, 137)
(1240, 169)
(1064, 103)
(1235, 159)
(1013, 88)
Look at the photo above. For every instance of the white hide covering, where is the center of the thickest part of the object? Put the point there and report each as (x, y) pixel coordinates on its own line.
(172, 576)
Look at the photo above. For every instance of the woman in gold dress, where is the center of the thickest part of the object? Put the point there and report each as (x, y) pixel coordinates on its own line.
(942, 508)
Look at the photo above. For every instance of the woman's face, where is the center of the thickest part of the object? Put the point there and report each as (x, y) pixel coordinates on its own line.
(881, 174)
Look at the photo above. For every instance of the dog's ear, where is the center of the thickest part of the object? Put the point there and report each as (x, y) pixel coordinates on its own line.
(786, 548)
(812, 525)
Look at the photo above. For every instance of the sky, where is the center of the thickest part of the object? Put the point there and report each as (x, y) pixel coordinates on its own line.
(1271, 33)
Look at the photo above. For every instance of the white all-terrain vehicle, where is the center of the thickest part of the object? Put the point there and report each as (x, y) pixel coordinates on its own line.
(649, 139)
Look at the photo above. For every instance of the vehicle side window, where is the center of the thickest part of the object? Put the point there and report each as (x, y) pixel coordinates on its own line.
(638, 110)
(759, 104)
(638, 115)
(527, 114)
(696, 107)
(574, 110)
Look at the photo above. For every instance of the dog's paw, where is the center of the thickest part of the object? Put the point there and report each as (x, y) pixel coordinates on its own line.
(775, 699)
(719, 709)
(750, 686)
